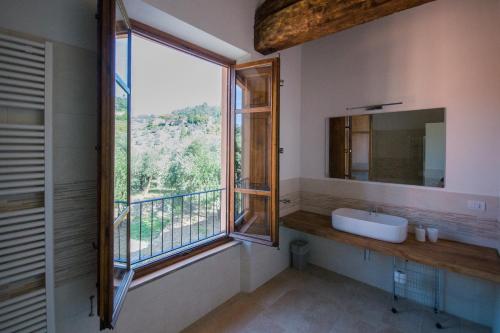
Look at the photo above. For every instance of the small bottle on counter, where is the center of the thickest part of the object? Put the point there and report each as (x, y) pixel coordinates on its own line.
(432, 234)
(420, 233)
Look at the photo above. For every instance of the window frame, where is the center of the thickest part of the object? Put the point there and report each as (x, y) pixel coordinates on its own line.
(273, 240)
(109, 304)
(155, 35)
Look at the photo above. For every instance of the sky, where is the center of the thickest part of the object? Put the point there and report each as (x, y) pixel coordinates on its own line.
(164, 79)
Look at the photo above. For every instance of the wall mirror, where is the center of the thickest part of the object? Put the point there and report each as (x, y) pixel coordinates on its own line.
(406, 147)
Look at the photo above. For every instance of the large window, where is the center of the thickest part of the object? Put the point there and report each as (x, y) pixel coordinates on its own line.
(188, 153)
(177, 151)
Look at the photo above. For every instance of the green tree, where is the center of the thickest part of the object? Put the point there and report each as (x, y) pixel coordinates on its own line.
(144, 169)
(120, 187)
(197, 168)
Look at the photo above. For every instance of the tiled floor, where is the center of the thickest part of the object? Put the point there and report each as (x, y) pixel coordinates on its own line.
(317, 300)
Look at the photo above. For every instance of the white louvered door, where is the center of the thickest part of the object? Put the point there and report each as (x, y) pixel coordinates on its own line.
(26, 190)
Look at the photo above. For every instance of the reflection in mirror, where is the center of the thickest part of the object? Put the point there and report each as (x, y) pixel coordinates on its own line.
(394, 147)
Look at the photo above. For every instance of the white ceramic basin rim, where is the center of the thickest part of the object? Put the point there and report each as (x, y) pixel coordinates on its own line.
(383, 227)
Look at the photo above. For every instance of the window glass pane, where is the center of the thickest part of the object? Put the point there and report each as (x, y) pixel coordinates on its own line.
(255, 86)
(252, 156)
(253, 128)
(121, 151)
(120, 254)
(121, 47)
(176, 122)
(252, 215)
(239, 97)
(122, 57)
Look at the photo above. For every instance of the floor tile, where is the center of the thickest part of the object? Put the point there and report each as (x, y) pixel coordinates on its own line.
(351, 323)
(317, 300)
(469, 327)
(263, 324)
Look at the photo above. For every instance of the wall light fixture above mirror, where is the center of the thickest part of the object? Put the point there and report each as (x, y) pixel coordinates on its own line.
(406, 147)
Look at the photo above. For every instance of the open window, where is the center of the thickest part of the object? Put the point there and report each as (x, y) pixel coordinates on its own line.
(114, 269)
(254, 152)
(215, 174)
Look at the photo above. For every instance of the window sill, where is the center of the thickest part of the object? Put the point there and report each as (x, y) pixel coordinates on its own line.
(136, 283)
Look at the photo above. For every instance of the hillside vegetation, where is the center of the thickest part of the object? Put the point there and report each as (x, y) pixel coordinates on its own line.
(174, 153)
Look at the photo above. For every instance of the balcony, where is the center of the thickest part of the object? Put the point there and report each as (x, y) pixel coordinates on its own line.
(165, 226)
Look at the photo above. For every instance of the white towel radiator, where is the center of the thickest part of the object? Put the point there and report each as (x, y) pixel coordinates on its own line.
(26, 190)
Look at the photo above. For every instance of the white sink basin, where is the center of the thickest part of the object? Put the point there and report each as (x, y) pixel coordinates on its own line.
(374, 225)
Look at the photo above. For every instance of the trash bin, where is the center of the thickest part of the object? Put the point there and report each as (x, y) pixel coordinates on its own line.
(299, 250)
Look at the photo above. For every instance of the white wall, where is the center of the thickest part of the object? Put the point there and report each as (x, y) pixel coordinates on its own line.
(260, 263)
(69, 21)
(441, 54)
(229, 20)
(173, 302)
(290, 103)
(165, 305)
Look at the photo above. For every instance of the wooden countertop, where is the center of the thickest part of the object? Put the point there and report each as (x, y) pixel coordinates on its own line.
(472, 260)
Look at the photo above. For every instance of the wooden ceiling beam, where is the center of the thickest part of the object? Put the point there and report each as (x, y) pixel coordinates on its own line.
(280, 24)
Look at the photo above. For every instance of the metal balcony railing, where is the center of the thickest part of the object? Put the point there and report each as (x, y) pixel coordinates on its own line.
(164, 226)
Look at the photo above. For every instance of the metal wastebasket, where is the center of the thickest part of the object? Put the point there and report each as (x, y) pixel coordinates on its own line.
(299, 250)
